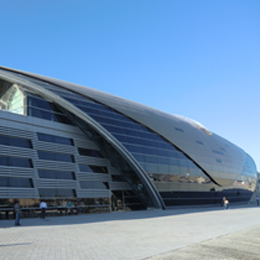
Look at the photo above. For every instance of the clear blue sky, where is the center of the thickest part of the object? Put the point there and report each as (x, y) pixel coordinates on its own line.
(196, 58)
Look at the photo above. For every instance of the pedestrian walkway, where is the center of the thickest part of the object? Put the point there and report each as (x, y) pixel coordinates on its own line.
(154, 234)
(242, 245)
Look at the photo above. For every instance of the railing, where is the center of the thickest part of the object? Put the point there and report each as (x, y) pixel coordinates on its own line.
(8, 213)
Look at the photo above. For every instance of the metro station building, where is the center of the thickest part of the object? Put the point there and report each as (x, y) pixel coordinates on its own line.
(65, 142)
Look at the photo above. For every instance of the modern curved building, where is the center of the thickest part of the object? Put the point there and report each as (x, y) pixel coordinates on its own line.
(60, 141)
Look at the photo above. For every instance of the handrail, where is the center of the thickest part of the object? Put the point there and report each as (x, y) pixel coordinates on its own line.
(59, 207)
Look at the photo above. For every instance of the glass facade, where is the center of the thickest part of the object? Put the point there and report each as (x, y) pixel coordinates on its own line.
(155, 154)
(138, 165)
(161, 160)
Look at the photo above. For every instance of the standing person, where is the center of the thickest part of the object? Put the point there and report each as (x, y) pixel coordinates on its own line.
(257, 200)
(43, 207)
(225, 201)
(17, 210)
(70, 206)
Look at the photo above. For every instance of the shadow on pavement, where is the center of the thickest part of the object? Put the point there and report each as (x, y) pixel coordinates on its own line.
(17, 244)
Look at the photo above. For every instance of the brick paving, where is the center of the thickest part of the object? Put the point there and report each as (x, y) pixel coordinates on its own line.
(154, 234)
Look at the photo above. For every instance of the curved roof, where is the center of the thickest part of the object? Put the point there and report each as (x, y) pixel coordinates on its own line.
(202, 146)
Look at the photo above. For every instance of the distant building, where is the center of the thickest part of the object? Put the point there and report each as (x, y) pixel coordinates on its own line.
(64, 142)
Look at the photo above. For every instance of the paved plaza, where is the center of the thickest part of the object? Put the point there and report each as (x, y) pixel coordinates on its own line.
(198, 233)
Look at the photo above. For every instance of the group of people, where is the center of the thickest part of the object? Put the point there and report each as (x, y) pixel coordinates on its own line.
(17, 211)
(43, 207)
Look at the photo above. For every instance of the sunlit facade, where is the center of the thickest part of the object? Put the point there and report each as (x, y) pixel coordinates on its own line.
(64, 142)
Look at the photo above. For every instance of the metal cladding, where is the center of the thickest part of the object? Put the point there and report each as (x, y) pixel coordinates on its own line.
(165, 159)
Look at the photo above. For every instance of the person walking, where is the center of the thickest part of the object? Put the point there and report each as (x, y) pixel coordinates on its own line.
(43, 207)
(257, 200)
(17, 210)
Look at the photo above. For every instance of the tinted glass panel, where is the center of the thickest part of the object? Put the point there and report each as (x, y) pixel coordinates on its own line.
(15, 162)
(54, 139)
(55, 156)
(93, 185)
(50, 193)
(16, 182)
(88, 152)
(92, 168)
(61, 119)
(40, 113)
(14, 141)
(38, 107)
(56, 174)
(117, 178)
(42, 104)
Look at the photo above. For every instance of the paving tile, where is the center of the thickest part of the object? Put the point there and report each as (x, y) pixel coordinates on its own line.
(153, 234)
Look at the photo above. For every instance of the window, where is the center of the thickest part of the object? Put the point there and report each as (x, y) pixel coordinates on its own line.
(92, 168)
(199, 142)
(11, 98)
(48, 174)
(14, 141)
(42, 104)
(57, 193)
(56, 156)
(16, 162)
(40, 113)
(16, 182)
(38, 107)
(62, 119)
(55, 139)
(117, 178)
(88, 152)
(218, 160)
(94, 185)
